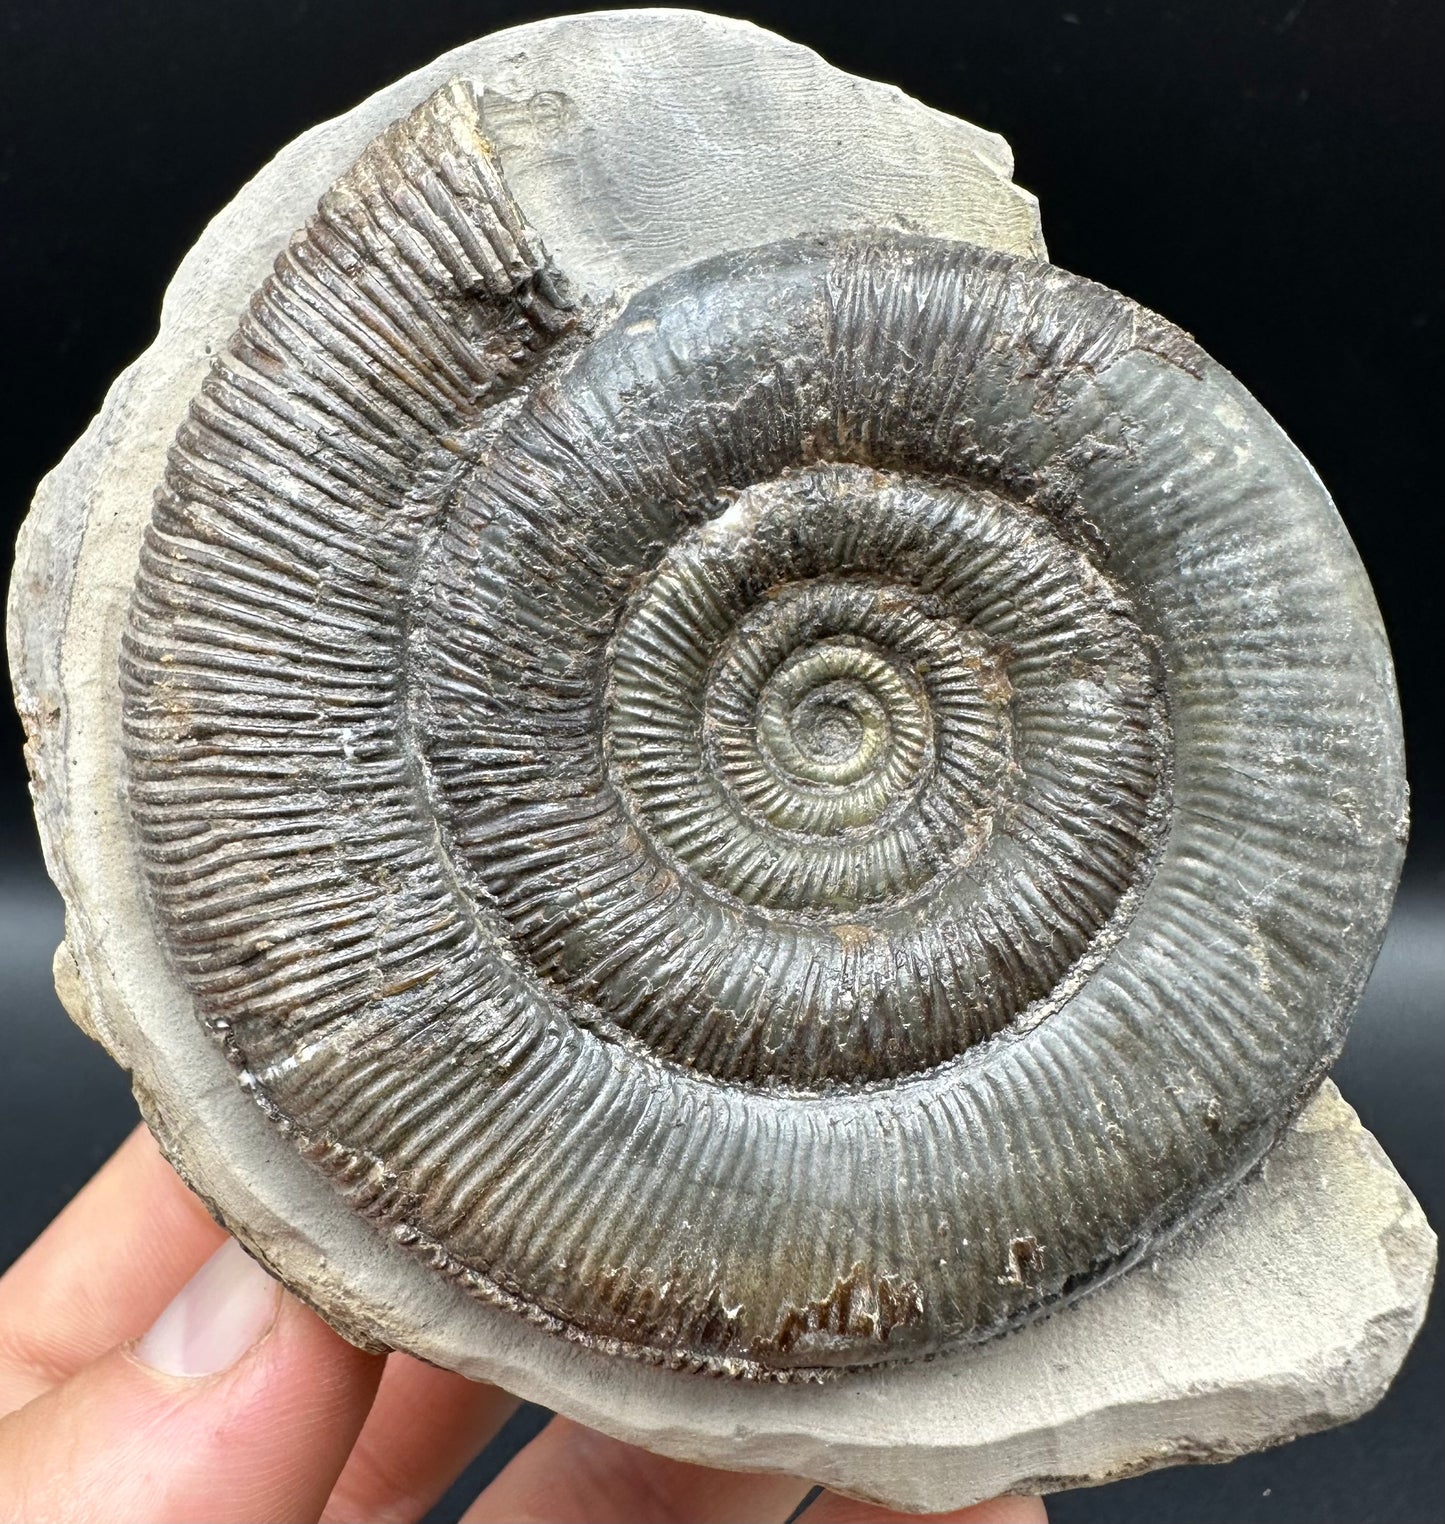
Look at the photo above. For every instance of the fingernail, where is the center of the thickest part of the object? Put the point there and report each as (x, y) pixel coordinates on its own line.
(220, 1313)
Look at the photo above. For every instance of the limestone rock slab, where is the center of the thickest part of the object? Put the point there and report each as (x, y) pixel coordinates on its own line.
(1288, 1310)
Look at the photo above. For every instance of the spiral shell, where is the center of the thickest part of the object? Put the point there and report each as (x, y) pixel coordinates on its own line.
(788, 826)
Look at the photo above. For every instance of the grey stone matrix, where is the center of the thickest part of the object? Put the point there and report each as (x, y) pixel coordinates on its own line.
(1287, 1310)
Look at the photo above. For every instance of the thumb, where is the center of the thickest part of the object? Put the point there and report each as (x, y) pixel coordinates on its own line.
(239, 1404)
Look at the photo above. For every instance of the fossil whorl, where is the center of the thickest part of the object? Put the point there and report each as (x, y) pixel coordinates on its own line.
(790, 825)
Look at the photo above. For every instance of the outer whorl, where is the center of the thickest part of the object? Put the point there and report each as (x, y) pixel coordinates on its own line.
(789, 826)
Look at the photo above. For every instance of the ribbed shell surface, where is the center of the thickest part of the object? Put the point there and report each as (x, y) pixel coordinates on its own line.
(790, 825)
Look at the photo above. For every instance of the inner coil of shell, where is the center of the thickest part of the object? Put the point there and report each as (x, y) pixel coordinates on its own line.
(787, 827)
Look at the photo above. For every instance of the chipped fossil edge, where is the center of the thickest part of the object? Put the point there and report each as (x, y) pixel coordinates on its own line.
(1289, 1310)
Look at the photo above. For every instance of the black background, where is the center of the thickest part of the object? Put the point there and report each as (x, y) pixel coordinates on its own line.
(1267, 175)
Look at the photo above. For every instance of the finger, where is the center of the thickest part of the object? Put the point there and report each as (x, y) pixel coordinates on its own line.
(101, 1272)
(424, 1428)
(833, 1508)
(239, 1404)
(572, 1475)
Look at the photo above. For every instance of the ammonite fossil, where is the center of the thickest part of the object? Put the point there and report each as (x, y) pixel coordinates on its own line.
(790, 825)
(693, 782)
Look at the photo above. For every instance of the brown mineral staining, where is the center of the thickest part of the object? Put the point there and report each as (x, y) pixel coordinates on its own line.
(1025, 1260)
(859, 1308)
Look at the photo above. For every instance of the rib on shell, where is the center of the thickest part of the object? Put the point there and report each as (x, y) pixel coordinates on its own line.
(788, 826)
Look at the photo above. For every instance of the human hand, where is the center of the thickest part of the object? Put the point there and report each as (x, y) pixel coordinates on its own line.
(150, 1371)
